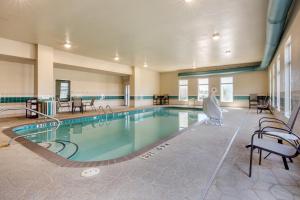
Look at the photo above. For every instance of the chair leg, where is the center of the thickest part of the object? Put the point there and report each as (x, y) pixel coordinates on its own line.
(250, 166)
(291, 160)
(260, 152)
(285, 163)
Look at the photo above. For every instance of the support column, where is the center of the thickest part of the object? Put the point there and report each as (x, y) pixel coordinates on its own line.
(43, 86)
(43, 83)
(132, 88)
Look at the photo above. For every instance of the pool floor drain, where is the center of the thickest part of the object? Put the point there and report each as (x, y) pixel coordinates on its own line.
(90, 172)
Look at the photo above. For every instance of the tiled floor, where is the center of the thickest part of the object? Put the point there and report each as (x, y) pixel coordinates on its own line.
(180, 171)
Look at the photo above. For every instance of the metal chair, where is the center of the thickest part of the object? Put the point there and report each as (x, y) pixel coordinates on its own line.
(284, 129)
(253, 100)
(77, 103)
(61, 105)
(165, 99)
(264, 105)
(288, 150)
(155, 100)
(91, 104)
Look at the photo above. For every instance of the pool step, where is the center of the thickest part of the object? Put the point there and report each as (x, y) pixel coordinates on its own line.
(64, 148)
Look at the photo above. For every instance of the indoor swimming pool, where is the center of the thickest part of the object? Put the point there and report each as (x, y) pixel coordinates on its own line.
(111, 136)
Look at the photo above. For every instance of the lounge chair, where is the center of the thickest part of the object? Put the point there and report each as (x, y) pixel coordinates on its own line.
(269, 123)
(90, 104)
(264, 105)
(288, 150)
(77, 103)
(252, 100)
(61, 105)
(284, 129)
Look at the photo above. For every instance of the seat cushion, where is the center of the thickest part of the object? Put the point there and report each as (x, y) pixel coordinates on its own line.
(274, 147)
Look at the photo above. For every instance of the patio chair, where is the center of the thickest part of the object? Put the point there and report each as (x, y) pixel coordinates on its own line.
(288, 150)
(90, 104)
(284, 129)
(264, 105)
(61, 105)
(252, 100)
(155, 100)
(271, 121)
(165, 99)
(77, 103)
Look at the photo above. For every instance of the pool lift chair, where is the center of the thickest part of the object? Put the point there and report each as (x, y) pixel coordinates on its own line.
(212, 109)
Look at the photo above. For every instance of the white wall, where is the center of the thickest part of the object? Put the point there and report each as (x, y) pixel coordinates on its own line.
(146, 84)
(92, 84)
(244, 84)
(16, 80)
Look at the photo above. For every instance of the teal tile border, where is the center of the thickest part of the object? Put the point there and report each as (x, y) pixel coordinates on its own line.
(14, 99)
(218, 97)
(24, 99)
(141, 97)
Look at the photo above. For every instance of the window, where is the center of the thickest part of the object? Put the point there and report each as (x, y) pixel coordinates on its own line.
(227, 89)
(183, 90)
(278, 83)
(63, 90)
(202, 88)
(287, 78)
(273, 85)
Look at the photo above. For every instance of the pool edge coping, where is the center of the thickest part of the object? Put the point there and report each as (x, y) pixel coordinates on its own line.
(63, 162)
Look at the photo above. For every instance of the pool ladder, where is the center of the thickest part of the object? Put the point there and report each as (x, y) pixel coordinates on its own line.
(101, 108)
(56, 124)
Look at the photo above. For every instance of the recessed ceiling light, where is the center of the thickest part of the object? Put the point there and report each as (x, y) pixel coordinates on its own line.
(145, 65)
(216, 36)
(188, 1)
(227, 51)
(67, 45)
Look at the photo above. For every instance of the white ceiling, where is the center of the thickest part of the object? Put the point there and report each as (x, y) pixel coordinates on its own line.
(169, 34)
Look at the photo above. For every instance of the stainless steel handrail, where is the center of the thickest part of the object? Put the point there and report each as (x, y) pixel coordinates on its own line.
(109, 108)
(37, 112)
(101, 108)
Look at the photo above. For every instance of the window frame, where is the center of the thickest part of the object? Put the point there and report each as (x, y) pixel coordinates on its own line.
(200, 98)
(278, 83)
(221, 93)
(288, 78)
(273, 85)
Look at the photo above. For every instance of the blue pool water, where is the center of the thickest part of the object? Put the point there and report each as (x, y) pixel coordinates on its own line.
(111, 136)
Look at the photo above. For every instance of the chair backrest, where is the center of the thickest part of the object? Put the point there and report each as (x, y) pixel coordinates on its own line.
(92, 102)
(253, 97)
(264, 102)
(293, 117)
(77, 101)
(58, 101)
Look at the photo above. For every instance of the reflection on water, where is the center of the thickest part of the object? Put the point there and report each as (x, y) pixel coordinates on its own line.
(183, 118)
